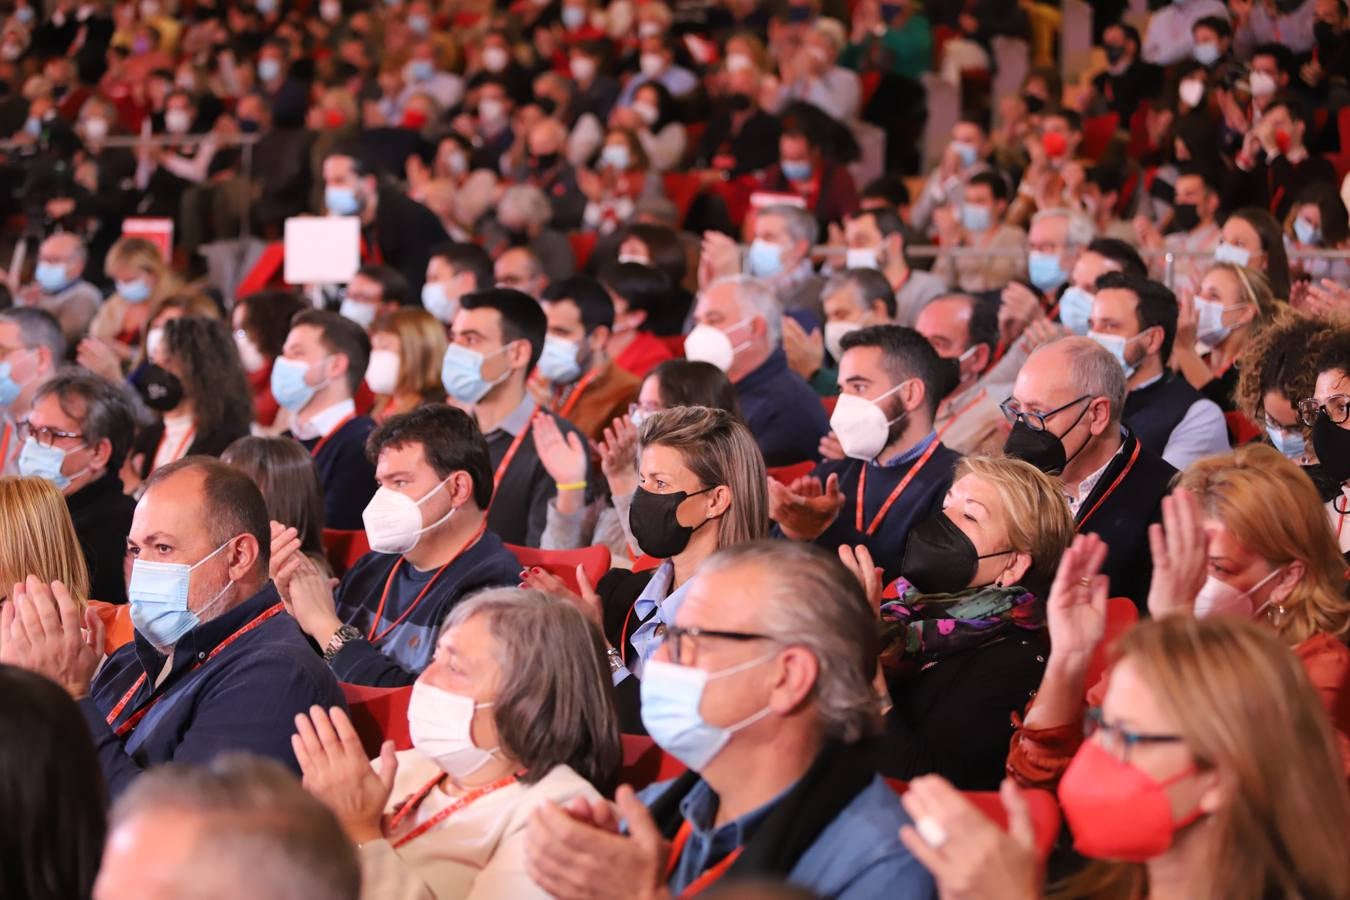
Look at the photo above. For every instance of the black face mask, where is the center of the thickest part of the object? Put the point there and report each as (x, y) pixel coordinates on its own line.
(1185, 217)
(1043, 449)
(517, 237)
(651, 518)
(1324, 33)
(1331, 442)
(939, 558)
(1285, 7)
(1328, 488)
(544, 161)
(1034, 104)
(160, 389)
(738, 102)
(1115, 53)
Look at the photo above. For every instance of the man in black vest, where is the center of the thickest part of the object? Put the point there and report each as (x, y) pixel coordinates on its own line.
(1066, 413)
(1135, 319)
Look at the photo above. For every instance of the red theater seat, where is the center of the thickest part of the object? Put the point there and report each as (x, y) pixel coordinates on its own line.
(595, 562)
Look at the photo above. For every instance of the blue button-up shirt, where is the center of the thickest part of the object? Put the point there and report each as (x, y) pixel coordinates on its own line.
(657, 596)
(857, 857)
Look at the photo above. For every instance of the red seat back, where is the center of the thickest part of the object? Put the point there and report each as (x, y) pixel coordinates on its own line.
(563, 564)
(379, 715)
(681, 188)
(645, 562)
(829, 403)
(1241, 430)
(344, 548)
(645, 763)
(789, 474)
(117, 627)
(1044, 809)
(583, 242)
(1121, 615)
(1097, 134)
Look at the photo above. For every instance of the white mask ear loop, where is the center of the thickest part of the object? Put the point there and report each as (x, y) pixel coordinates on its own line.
(742, 667)
(1256, 587)
(443, 519)
(877, 401)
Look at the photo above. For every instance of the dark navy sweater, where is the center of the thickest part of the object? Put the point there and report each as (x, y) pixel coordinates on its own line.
(245, 698)
(922, 497)
(782, 412)
(347, 477)
(401, 653)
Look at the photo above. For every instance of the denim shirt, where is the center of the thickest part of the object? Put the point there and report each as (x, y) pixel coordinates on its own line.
(911, 454)
(658, 596)
(857, 857)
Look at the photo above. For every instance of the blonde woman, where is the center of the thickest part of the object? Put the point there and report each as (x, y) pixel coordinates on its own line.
(37, 538)
(143, 280)
(1211, 772)
(1244, 536)
(406, 349)
(1216, 324)
(701, 487)
(964, 646)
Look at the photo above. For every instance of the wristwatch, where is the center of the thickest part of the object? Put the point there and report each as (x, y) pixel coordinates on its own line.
(615, 660)
(339, 640)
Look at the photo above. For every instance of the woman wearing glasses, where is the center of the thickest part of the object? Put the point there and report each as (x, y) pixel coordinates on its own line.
(701, 486)
(1327, 414)
(1243, 537)
(1209, 771)
(964, 645)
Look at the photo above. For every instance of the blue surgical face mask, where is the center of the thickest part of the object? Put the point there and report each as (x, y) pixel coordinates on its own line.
(573, 17)
(418, 23)
(1231, 253)
(437, 301)
(1075, 309)
(289, 386)
(37, 461)
(9, 388)
(1306, 232)
(976, 217)
(421, 69)
(135, 291)
(1116, 345)
(462, 374)
(269, 69)
(341, 201)
(51, 277)
(1206, 53)
(764, 260)
(558, 363)
(796, 169)
(362, 314)
(1289, 442)
(158, 594)
(671, 697)
(967, 152)
(1045, 271)
(615, 156)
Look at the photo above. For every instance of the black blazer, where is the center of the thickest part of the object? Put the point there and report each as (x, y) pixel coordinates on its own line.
(204, 443)
(619, 590)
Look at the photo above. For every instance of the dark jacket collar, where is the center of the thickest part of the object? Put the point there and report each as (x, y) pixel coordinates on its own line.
(768, 371)
(198, 643)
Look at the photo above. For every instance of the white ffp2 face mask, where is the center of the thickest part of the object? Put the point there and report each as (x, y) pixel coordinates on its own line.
(1218, 598)
(708, 344)
(382, 371)
(440, 724)
(861, 426)
(394, 521)
(834, 337)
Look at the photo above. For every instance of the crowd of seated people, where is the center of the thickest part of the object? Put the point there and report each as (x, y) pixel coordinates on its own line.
(887, 449)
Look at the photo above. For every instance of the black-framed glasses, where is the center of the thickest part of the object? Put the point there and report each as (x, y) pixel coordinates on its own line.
(1336, 407)
(678, 638)
(1121, 741)
(44, 435)
(1035, 421)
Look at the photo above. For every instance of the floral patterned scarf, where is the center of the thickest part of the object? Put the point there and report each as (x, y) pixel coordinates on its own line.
(921, 628)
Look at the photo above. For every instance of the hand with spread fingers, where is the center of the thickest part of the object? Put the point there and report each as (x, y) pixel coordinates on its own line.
(1180, 556)
(41, 630)
(969, 855)
(805, 509)
(335, 770)
(578, 854)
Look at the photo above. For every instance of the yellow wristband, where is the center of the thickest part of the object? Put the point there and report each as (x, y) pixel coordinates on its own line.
(571, 486)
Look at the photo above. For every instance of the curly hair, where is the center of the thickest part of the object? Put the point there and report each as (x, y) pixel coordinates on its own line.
(212, 375)
(1279, 358)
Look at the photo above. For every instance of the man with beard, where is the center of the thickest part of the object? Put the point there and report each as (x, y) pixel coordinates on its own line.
(895, 471)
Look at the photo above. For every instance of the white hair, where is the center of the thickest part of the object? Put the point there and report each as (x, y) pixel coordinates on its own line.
(524, 204)
(801, 225)
(756, 299)
(1079, 231)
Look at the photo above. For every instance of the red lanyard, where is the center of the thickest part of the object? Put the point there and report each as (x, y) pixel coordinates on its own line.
(323, 440)
(1109, 491)
(4, 446)
(510, 455)
(135, 718)
(177, 451)
(702, 882)
(572, 398)
(384, 595)
(895, 494)
(411, 804)
(951, 420)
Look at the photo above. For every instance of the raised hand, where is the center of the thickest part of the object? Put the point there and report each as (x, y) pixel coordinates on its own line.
(335, 770)
(1180, 556)
(829, 447)
(41, 630)
(858, 560)
(572, 859)
(1076, 610)
(805, 352)
(564, 456)
(805, 510)
(1018, 308)
(618, 456)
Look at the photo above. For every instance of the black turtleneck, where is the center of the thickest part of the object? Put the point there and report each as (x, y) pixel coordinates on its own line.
(102, 517)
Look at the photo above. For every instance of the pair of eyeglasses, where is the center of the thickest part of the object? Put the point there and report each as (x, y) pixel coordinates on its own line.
(1336, 407)
(1121, 741)
(679, 639)
(1014, 413)
(43, 435)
